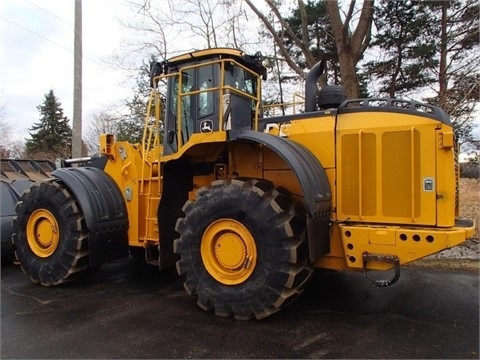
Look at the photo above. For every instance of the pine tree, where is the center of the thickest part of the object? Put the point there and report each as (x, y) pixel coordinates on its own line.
(408, 52)
(51, 136)
(456, 32)
(320, 40)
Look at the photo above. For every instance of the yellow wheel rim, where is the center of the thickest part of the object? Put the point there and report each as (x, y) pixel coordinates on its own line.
(43, 233)
(228, 251)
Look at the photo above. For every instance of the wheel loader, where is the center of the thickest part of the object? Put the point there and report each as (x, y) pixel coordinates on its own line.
(246, 205)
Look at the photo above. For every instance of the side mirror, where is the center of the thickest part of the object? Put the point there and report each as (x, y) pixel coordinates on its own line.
(155, 70)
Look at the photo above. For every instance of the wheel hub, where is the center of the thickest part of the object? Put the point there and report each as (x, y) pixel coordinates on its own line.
(42, 233)
(228, 251)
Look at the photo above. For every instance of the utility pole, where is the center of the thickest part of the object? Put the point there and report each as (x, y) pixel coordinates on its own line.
(77, 83)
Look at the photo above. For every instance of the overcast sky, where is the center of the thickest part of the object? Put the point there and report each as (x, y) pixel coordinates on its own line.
(36, 55)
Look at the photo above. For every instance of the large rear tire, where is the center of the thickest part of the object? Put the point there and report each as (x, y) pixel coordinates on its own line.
(242, 248)
(50, 235)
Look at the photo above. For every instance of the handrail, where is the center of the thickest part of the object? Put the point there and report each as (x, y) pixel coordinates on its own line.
(221, 89)
(151, 137)
(293, 104)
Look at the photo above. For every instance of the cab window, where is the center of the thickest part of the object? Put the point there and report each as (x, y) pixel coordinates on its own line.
(240, 79)
(206, 96)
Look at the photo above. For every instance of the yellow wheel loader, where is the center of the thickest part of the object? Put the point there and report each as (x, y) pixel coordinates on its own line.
(246, 205)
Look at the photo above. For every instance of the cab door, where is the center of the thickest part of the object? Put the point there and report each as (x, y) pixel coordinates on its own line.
(191, 106)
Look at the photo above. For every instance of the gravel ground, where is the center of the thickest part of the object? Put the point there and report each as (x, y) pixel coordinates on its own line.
(462, 257)
(469, 250)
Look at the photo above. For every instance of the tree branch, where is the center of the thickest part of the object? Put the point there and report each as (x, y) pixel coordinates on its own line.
(278, 40)
(361, 37)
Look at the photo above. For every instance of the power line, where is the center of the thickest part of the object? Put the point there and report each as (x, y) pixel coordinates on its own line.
(50, 41)
(34, 33)
(51, 14)
(87, 33)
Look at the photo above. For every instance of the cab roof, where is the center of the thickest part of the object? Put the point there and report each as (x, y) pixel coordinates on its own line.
(253, 62)
(207, 53)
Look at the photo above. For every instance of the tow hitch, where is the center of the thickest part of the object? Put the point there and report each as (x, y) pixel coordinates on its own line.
(390, 259)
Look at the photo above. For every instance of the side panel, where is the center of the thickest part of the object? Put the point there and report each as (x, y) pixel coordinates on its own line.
(386, 169)
(316, 131)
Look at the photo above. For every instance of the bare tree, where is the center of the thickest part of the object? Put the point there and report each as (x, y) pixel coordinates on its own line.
(9, 146)
(277, 34)
(169, 27)
(103, 122)
(234, 28)
(199, 18)
(150, 26)
(5, 132)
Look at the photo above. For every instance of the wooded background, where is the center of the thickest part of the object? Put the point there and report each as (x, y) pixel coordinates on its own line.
(420, 50)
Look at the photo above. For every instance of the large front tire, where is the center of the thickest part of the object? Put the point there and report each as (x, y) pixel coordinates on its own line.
(242, 248)
(50, 235)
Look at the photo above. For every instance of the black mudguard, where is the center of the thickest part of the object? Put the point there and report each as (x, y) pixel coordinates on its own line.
(177, 182)
(104, 209)
(313, 180)
(9, 198)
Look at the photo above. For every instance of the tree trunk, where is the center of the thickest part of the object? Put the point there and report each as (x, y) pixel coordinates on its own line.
(348, 73)
(442, 75)
(350, 46)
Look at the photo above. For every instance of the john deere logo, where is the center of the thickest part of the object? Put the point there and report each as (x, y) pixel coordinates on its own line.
(206, 126)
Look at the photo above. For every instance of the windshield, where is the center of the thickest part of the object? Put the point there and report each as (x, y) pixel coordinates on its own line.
(241, 79)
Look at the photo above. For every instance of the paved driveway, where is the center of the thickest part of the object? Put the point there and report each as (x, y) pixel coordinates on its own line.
(130, 310)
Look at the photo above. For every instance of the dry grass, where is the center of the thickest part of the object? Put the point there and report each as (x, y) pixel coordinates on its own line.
(470, 201)
(465, 256)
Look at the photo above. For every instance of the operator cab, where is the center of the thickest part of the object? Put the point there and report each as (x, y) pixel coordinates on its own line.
(207, 91)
